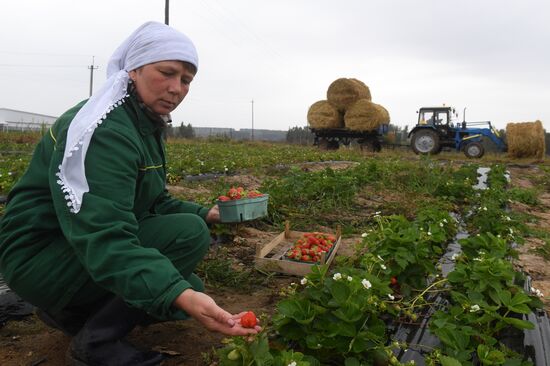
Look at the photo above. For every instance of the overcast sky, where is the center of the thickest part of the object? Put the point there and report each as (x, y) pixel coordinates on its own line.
(492, 57)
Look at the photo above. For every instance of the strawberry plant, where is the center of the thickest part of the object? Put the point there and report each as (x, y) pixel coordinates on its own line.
(256, 351)
(409, 250)
(486, 298)
(335, 318)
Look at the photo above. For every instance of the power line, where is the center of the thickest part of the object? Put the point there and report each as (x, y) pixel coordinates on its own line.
(46, 66)
(43, 54)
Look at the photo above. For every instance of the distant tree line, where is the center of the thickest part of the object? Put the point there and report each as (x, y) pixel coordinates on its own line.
(182, 131)
(300, 136)
(303, 136)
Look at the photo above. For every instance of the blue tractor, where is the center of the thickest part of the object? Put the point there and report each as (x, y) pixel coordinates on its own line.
(435, 131)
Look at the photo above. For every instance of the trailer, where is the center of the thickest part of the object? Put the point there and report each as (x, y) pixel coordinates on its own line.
(332, 138)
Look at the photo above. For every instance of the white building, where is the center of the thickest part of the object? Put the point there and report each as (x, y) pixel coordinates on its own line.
(11, 119)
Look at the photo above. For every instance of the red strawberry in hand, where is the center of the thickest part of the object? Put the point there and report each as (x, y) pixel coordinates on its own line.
(248, 320)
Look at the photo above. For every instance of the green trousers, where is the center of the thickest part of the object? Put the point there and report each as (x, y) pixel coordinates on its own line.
(182, 238)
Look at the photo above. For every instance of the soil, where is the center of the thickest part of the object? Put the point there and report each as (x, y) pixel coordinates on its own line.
(30, 342)
(530, 261)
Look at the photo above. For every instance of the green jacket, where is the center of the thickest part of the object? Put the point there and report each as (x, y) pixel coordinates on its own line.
(48, 253)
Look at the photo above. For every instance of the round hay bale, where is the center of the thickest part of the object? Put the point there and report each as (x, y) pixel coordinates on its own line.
(365, 115)
(525, 140)
(323, 115)
(344, 92)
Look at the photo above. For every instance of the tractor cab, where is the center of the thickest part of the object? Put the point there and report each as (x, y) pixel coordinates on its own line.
(438, 117)
(438, 120)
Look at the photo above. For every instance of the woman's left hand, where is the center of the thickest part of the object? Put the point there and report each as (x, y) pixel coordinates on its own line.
(213, 216)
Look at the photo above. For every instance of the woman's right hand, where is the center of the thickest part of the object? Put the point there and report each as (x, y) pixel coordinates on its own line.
(213, 215)
(205, 310)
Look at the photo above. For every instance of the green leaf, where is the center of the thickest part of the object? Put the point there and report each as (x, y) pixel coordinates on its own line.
(520, 298)
(506, 297)
(312, 341)
(260, 352)
(352, 361)
(342, 329)
(454, 338)
(518, 323)
(292, 331)
(340, 291)
(520, 309)
(449, 361)
(456, 276)
(490, 356)
(361, 343)
(349, 313)
(288, 307)
(456, 310)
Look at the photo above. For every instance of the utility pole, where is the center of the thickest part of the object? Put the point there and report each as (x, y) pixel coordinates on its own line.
(166, 12)
(92, 68)
(252, 136)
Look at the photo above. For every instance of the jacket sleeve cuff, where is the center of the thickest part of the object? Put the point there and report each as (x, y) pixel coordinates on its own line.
(167, 310)
(203, 211)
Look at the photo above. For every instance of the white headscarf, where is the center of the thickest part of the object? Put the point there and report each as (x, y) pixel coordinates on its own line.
(151, 42)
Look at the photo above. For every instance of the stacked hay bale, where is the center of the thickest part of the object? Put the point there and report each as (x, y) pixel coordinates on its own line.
(323, 115)
(525, 140)
(348, 105)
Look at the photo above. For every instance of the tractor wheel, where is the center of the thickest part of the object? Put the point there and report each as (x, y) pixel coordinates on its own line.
(370, 145)
(425, 142)
(326, 144)
(474, 150)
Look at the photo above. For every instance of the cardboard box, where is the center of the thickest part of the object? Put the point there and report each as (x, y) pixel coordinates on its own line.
(271, 257)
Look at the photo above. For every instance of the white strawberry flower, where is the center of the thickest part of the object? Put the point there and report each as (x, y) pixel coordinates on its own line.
(366, 283)
(391, 297)
(337, 276)
(303, 281)
(474, 308)
(350, 278)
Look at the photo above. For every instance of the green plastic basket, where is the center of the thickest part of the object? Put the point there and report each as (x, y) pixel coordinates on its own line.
(245, 209)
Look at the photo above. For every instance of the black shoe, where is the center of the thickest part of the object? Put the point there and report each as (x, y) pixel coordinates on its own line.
(100, 341)
(120, 353)
(68, 323)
